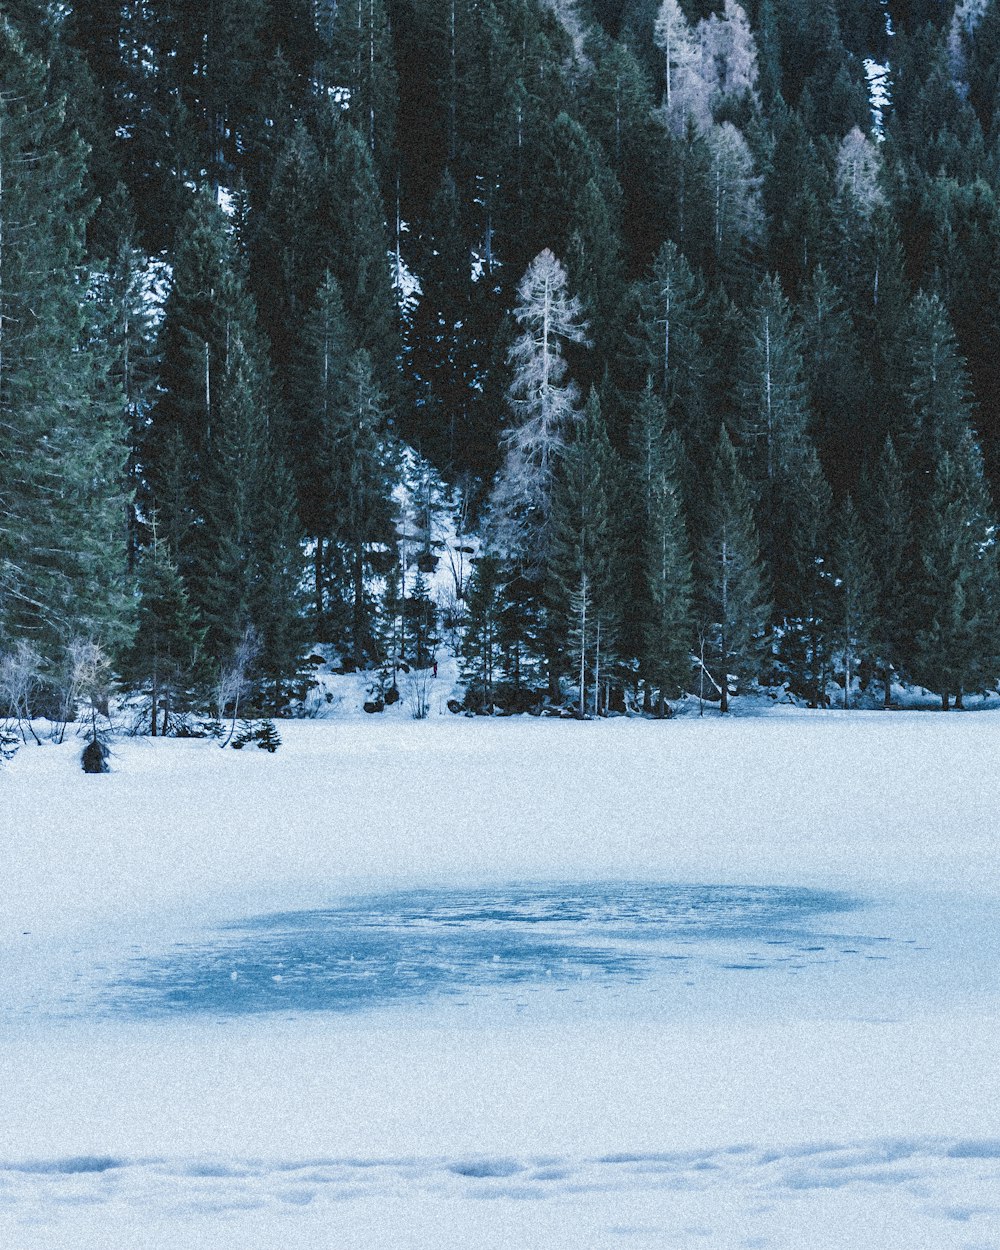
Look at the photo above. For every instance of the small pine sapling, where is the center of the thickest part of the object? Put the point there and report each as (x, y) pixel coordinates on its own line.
(8, 744)
(268, 738)
(246, 734)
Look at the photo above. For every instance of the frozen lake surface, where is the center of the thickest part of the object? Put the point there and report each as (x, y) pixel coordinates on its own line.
(514, 996)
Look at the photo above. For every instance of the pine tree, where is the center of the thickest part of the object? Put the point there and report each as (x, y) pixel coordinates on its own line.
(524, 638)
(939, 412)
(888, 521)
(362, 63)
(731, 604)
(267, 736)
(595, 265)
(245, 558)
(165, 652)
(491, 123)
(855, 598)
(360, 494)
(729, 52)
(286, 248)
(771, 386)
(735, 213)
(354, 243)
(560, 200)
(795, 193)
(869, 264)
(206, 299)
(800, 571)
(981, 61)
(63, 505)
(317, 394)
(584, 556)
(207, 56)
(422, 616)
(949, 553)
(954, 639)
(442, 341)
(125, 290)
(543, 405)
(669, 322)
(648, 428)
(666, 657)
(687, 89)
(617, 108)
(835, 381)
(224, 499)
(481, 640)
(773, 413)
(858, 180)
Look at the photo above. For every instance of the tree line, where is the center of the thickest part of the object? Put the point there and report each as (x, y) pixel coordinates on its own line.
(704, 344)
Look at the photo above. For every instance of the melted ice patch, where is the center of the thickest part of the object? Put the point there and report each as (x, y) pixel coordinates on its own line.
(431, 944)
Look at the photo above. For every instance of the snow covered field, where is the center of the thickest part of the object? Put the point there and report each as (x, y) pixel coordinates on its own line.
(699, 983)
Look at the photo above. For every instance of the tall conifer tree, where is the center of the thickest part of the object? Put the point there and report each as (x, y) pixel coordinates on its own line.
(361, 506)
(666, 658)
(62, 458)
(855, 593)
(731, 600)
(584, 557)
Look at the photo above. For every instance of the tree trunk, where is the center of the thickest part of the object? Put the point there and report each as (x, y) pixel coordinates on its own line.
(888, 687)
(320, 613)
(597, 670)
(944, 702)
(359, 606)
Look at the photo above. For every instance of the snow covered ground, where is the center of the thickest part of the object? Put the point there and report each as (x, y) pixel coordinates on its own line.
(693, 983)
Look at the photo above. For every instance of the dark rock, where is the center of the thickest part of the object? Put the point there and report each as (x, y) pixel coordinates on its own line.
(375, 706)
(95, 757)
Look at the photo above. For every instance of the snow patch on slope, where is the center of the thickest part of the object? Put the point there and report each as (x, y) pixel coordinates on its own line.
(879, 94)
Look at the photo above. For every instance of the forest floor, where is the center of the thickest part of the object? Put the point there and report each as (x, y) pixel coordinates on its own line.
(514, 983)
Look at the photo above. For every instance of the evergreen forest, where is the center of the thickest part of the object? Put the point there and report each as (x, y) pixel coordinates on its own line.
(685, 314)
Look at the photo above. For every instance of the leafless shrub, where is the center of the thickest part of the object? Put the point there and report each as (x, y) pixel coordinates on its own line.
(417, 692)
(86, 675)
(20, 676)
(232, 681)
